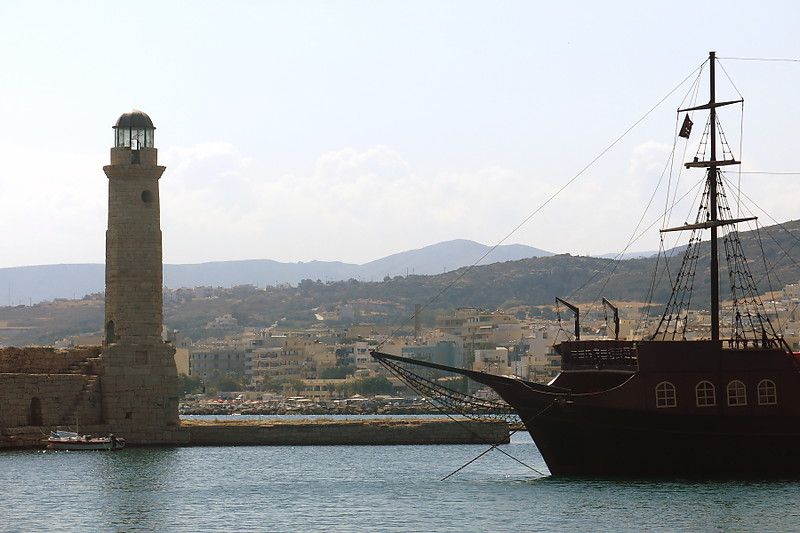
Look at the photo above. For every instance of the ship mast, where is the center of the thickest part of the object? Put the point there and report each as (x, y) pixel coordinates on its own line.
(712, 187)
(713, 222)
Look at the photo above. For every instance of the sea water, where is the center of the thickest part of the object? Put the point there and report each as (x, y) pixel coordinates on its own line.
(364, 488)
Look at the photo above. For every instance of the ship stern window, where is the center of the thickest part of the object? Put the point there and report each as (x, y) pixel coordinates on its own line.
(665, 395)
(767, 392)
(737, 393)
(705, 394)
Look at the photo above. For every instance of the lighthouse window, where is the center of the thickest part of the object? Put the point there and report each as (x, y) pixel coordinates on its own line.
(665, 394)
(705, 394)
(147, 196)
(737, 393)
(767, 392)
(137, 139)
(123, 137)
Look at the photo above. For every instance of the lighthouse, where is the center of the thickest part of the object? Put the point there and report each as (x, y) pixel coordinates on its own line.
(139, 382)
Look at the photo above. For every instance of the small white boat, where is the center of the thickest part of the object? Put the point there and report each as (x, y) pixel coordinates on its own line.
(68, 440)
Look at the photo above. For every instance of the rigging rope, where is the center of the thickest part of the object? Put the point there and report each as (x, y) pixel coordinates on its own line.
(542, 205)
(466, 405)
(492, 447)
(667, 171)
(694, 91)
(469, 406)
(765, 59)
(769, 173)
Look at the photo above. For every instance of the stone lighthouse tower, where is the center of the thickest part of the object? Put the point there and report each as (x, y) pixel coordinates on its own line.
(140, 384)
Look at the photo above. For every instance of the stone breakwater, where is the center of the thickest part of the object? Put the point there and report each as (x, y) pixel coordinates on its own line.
(316, 410)
(46, 360)
(319, 432)
(345, 432)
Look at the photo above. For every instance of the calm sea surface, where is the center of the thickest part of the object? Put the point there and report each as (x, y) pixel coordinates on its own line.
(363, 488)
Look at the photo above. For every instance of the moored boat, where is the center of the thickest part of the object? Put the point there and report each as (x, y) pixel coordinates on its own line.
(664, 405)
(68, 440)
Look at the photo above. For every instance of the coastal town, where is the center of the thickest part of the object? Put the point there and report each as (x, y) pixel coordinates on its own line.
(274, 370)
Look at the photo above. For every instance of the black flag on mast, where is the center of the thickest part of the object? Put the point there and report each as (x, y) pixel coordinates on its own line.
(686, 128)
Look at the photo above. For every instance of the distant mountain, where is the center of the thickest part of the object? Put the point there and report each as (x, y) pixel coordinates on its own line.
(258, 272)
(628, 255)
(643, 255)
(444, 257)
(33, 284)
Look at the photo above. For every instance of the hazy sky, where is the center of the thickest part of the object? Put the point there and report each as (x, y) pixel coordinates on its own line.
(349, 131)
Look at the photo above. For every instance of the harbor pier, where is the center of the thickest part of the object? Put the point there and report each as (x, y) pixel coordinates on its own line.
(319, 432)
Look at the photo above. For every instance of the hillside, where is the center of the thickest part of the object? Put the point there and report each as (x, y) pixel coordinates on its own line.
(516, 286)
(33, 284)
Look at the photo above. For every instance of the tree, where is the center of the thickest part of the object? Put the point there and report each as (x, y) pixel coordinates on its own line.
(343, 390)
(338, 372)
(274, 385)
(372, 386)
(228, 384)
(190, 385)
(295, 385)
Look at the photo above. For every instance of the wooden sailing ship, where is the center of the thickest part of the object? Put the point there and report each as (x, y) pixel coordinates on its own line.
(667, 406)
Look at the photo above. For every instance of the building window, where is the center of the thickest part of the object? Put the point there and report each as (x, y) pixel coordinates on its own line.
(705, 394)
(665, 394)
(767, 392)
(737, 393)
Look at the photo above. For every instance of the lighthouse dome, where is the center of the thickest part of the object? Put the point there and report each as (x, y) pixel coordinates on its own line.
(134, 130)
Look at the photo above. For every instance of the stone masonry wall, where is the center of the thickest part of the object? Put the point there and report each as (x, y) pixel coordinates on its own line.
(62, 399)
(45, 360)
(133, 297)
(42, 388)
(140, 393)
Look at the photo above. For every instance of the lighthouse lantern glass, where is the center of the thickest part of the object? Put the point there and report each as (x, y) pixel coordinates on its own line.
(134, 137)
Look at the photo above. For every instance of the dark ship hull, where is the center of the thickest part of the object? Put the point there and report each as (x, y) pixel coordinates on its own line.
(614, 421)
(602, 416)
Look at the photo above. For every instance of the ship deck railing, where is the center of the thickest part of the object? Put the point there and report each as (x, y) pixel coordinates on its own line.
(598, 354)
(764, 343)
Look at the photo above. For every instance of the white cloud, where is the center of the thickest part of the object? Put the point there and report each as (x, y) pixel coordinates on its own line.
(350, 205)
(360, 205)
(355, 206)
(54, 206)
